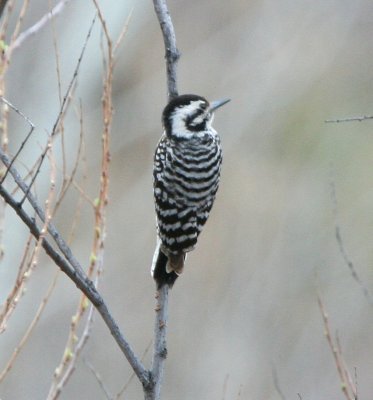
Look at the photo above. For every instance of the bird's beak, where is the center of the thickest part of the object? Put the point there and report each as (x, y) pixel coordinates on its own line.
(218, 103)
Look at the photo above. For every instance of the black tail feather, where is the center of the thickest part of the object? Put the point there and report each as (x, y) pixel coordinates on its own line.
(160, 275)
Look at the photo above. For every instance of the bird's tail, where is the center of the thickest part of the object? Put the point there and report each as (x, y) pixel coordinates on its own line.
(165, 269)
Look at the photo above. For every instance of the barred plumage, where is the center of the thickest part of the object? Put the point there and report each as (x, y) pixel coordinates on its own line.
(186, 173)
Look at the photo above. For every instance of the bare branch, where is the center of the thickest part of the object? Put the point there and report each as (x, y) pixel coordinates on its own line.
(172, 53)
(160, 347)
(341, 246)
(152, 391)
(57, 9)
(18, 25)
(72, 352)
(347, 386)
(349, 119)
(32, 127)
(122, 33)
(69, 180)
(30, 328)
(24, 272)
(351, 265)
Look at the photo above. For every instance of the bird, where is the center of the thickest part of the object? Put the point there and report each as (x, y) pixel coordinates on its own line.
(186, 175)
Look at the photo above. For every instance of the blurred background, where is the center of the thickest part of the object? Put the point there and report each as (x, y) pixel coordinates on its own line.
(246, 305)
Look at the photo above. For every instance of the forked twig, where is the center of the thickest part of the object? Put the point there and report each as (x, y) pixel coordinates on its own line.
(32, 127)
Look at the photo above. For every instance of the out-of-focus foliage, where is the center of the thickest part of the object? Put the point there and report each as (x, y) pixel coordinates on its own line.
(248, 299)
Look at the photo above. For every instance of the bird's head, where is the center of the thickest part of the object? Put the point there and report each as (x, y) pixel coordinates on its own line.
(189, 115)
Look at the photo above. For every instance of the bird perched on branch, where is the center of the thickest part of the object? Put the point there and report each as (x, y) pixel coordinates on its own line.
(186, 174)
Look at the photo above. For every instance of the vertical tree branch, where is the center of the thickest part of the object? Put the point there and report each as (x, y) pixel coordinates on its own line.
(160, 346)
(172, 53)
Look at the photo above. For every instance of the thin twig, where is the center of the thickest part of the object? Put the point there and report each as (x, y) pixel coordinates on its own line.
(347, 386)
(341, 245)
(172, 53)
(349, 119)
(99, 380)
(30, 328)
(350, 381)
(64, 103)
(125, 386)
(32, 127)
(59, 87)
(122, 33)
(12, 300)
(68, 180)
(71, 354)
(32, 30)
(351, 265)
(17, 28)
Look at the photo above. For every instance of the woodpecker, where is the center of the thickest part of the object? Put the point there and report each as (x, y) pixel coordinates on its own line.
(186, 176)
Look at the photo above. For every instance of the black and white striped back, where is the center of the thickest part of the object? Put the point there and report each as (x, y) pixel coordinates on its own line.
(186, 174)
